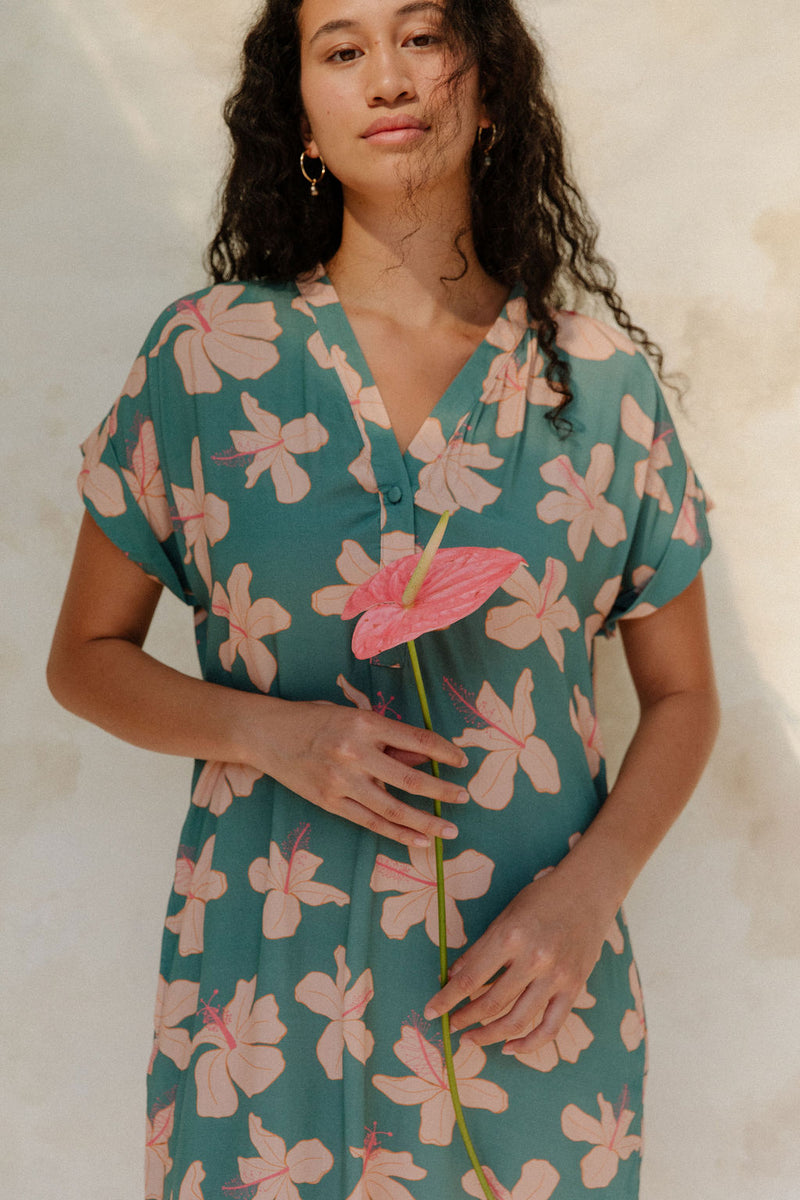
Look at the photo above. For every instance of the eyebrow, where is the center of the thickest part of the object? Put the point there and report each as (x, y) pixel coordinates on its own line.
(407, 9)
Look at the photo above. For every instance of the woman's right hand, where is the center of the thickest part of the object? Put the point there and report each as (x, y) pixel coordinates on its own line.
(345, 759)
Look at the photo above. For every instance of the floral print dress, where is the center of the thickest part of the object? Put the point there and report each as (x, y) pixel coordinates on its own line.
(250, 466)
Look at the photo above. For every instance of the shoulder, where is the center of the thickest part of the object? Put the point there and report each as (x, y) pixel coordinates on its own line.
(217, 303)
(583, 337)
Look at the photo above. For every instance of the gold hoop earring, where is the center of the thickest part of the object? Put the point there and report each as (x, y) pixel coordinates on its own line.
(488, 146)
(313, 181)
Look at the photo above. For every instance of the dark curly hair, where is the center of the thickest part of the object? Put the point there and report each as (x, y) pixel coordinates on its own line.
(537, 233)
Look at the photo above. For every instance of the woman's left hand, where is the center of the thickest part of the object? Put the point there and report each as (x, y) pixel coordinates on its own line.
(523, 975)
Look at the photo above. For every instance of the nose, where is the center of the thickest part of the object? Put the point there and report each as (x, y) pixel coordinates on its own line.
(389, 81)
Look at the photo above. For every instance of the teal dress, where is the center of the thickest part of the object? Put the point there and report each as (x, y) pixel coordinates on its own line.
(249, 465)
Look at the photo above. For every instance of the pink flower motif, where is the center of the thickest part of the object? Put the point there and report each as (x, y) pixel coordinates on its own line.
(512, 386)
(147, 483)
(541, 611)
(609, 1135)
(238, 340)
(174, 1003)
(315, 294)
(686, 527)
(465, 877)
(537, 1182)
(642, 429)
(449, 481)
(508, 736)
(219, 782)
(380, 1171)
(603, 603)
(381, 705)
(275, 1173)
(137, 377)
(190, 1188)
(632, 1028)
(585, 724)
(457, 583)
(96, 481)
(272, 447)
(199, 884)
(365, 402)
(344, 1007)
(356, 567)
(157, 1161)
(428, 1086)
(249, 623)
(584, 337)
(582, 503)
(243, 1034)
(288, 880)
(571, 1040)
(205, 517)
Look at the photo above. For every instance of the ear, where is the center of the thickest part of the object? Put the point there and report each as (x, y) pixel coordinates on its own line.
(311, 148)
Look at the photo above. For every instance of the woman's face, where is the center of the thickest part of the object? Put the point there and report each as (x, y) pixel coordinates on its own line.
(378, 108)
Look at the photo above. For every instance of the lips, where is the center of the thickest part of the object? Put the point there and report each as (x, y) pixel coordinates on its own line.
(394, 124)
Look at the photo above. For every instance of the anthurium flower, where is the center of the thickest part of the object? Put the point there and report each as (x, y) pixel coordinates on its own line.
(456, 583)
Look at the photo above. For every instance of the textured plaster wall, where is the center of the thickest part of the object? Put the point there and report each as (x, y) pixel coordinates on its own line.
(683, 119)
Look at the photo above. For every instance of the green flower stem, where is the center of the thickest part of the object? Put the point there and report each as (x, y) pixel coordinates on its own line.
(443, 971)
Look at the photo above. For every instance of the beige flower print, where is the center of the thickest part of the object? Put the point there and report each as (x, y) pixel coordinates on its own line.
(513, 385)
(355, 567)
(137, 377)
(581, 501)
(507, 734)
(571, 1040)
(450, 481)
(190, 1188)
(174, 1003)
(465, 878)
(381, 704)
(610, 1136)
(428, 1086)
(632, 1028)
(642, 429)
(584, 337)
(96, 481)
(275, 1173)
(249, 623)
(541, 611)
(199, 884)
(238, 340)
(686, 527)
(272, 446)
(365, 402)
(143, 477)
(288, 880)
(586, 725)
(205, 517)
(344, 1008)
(243, 1034)
(157, 1161)
(537, 1182)
(603, 603)
(219, 782)
(316, 294)
(381, 1170)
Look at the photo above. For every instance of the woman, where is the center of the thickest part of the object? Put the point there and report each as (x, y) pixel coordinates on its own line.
(275, 442)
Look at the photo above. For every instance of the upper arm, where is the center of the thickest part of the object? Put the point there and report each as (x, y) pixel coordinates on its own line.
(669, 651)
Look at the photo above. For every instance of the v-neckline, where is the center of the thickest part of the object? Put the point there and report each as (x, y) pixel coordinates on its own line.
(332, 318)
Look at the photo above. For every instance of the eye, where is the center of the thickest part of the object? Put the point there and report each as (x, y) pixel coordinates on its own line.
(423, 40)
(346, 54)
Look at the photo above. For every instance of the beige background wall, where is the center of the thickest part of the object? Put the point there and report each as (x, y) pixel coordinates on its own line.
(683, 115)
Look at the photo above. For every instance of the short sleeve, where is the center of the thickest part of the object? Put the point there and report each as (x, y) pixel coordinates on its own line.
(668, 513)
(123, 486)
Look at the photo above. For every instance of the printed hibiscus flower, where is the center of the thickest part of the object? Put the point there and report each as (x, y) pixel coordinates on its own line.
(581, 501)
(609, 1135)
(686, 527)
(249, 623)
(571, 1040)
(287, 880)
(450, 481)
(428, 1086)
(238, 340)
(356, 567)
(365, 402)
(541, 611)
(507, 734)
(175, 1002)
(157, 1161)
(199, 884)
(512, 385)
(642, 429)
(190, 1188)
(317, 293)
(537, 1182)
(146, 482)
(275, 1173)
(272, 446)
(380, 705)
(584, 337)
(603, 603)
(465, 877)
(587, 727)
(243, 1034)
(632, 1028)
(344, 1007)
(205, 517)
(381, 1170)
(96, 481)
(219, 782)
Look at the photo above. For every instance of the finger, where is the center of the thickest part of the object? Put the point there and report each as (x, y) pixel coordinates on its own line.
(518, 1021)
(548, 1028)
(474, 969)
(381, 825)
(382, 810)
(426, 742)
(418, 783)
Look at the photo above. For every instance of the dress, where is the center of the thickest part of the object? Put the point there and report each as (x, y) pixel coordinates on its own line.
(250, 466)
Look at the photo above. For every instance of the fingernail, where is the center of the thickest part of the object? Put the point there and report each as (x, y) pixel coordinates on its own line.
(449, 831)
(429, 1012)
(463, 797)
(422, 840)
(464, 759)
(506, 1050)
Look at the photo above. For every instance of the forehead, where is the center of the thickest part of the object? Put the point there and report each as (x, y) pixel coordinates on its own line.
(323, 15)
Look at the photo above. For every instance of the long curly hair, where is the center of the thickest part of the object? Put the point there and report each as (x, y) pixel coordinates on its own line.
(529, 222)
